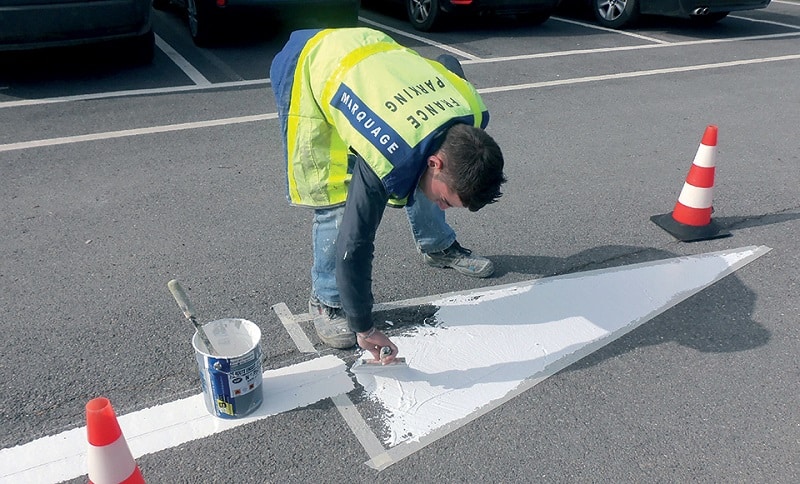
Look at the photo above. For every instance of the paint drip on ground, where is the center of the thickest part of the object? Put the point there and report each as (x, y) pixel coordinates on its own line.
(485, 344)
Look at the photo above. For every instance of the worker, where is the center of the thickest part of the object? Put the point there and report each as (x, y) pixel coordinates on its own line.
(368, 123)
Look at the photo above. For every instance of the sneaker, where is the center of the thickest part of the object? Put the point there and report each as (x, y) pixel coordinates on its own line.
(460, 259)
(331, 325)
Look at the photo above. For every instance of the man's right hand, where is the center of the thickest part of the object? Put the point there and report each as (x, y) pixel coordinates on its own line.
(372, 341)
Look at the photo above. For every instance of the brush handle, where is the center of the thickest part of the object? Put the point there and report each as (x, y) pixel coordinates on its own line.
(181, 298)
(183, 302)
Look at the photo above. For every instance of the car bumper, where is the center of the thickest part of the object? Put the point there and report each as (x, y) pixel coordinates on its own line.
(503, 6)
(686, 8)
(235, 4)
(64, 23)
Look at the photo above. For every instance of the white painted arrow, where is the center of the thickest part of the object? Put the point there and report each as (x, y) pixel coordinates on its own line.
(490, 345)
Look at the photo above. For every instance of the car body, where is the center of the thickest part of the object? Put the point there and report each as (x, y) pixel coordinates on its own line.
(428, 15)
(40, 24)
(205, 16)
(623, 13)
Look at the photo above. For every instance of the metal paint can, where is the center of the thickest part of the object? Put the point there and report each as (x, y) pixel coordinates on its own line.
(231, 377)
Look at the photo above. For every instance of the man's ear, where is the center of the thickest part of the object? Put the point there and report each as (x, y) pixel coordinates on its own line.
(435, 161)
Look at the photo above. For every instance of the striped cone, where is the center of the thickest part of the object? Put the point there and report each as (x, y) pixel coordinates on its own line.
(109, 458)
(690, 220)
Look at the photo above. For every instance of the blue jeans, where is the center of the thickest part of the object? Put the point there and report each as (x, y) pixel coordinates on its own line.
(431, 234)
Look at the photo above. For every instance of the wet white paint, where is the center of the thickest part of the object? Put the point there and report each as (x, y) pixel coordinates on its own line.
(60, 457)
(487, 343)
(231, 338)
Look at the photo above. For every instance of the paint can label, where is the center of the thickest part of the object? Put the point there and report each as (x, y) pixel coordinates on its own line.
(231, 377)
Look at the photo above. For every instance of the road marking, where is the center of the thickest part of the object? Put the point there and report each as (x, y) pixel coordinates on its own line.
(627, 75)
(472, 361)
(22, 145)
(603, 50)
(444, 47)
(487, 90)
(61, 457)
(441, 390)
(184, 65)
(613, 31)
(290, 323)
(769, 22)
(471, 59)
(134, 92)
(369, 442)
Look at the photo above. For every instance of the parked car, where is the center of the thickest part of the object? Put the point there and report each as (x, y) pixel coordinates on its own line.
(617, 14)
(429, 15)
(40, 24)
(205, 17)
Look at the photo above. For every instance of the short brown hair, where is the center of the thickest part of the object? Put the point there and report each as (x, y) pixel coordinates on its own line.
(473, 165)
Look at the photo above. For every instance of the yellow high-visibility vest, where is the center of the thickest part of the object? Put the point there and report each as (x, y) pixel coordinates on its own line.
(357, 89)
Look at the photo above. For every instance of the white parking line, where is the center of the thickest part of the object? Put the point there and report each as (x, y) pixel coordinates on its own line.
(613, 31)
(561, 53)
(626, 75)
(63, 456)
(135, 132)
(132, 92)
(184, 65)
(471, 59)
(770, 22)
(372, 446)
(291, 324)
(444, 47)
(487, 90)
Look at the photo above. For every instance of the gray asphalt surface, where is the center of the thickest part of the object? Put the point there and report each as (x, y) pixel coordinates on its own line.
(707, 391)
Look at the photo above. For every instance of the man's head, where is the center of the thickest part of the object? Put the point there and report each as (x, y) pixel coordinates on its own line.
(466, 170)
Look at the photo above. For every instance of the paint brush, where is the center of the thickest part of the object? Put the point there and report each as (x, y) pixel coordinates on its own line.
(183, 302)
(372, 365)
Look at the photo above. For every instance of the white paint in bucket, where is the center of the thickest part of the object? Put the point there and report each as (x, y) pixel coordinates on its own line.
(231, 376)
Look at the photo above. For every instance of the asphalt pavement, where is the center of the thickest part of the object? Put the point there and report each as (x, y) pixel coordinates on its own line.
(117, 179)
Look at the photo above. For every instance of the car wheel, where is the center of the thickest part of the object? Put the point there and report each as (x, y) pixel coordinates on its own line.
(709, 19)
(201, 24)
(424, 15)
(616, 14)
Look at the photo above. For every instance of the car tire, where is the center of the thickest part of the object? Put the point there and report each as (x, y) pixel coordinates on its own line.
(202, 25)
(616, 14)
(161, 4)
(709, 19)
(424, 15)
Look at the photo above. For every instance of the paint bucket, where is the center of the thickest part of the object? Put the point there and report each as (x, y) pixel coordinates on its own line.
(231, 376)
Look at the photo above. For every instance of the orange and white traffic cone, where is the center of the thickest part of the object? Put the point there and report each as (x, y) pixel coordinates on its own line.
(109, 458)
(690, 220)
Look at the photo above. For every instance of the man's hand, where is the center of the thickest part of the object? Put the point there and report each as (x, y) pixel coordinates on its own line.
(372, 341)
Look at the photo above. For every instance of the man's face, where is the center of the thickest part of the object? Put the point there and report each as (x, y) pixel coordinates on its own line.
(435, 188)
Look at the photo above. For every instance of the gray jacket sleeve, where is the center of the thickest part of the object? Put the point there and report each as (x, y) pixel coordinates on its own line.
(355, 245)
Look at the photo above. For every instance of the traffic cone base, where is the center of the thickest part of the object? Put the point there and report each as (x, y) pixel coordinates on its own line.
(689, 233)
(690, 220)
